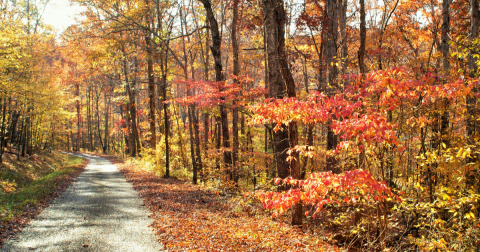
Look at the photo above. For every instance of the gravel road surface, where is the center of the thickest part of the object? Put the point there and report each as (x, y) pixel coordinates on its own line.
(100, 211)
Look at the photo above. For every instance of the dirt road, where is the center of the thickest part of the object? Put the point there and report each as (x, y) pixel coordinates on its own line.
(98, 212)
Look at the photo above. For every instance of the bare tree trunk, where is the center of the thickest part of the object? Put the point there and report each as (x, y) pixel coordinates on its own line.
(136, 133)
(276, 84)
(192, 150)
(278, 20)
(219, 77)
(198, 156)
(24, 136)
(472, 100)
(151, 89)
(445, 31)
(107, 104)
(97, 115)
(363, 37)
(77, 94)
(89, 119)
(167, 124)
(330, 54)
(343, 4)
(130, 113)
(236, 72)
(205, 129)
(2, 136)
(166, 118)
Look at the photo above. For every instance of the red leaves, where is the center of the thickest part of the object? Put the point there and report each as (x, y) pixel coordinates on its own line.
(365, 115)
(370, 127)
(328, 188)
(283, 111)
(211, 93)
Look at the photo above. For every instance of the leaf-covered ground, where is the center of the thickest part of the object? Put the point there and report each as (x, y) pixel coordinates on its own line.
(30, 184)
(187, 217)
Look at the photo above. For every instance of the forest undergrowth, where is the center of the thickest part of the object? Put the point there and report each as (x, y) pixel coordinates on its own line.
(193, 218)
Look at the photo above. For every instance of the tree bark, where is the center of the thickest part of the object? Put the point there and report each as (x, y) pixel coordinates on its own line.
(131, 120)
(343, 4)
(151, 89)
(107, 104)
(198, 156)
(286, 74)
(363, 37)
(445, 31)
(77, 97)
(192, 150)
(2, 136)
(236, 72)
(219, 77)
(276, 84)
(472, 100)
(97, 115)
(331, 87)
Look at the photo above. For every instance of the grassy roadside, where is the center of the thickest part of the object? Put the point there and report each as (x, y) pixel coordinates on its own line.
(29, 184)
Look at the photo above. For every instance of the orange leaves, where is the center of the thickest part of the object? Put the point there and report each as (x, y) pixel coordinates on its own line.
(187, 218)
(283, 111)
(210, 93)
(328, 188)
(369, 128)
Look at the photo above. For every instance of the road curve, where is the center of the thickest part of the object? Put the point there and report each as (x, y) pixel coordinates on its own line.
(100, 211)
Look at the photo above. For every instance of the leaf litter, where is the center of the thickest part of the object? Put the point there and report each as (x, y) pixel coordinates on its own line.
(189, 217)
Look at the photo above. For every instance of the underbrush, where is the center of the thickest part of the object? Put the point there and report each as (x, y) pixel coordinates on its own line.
(196, 218)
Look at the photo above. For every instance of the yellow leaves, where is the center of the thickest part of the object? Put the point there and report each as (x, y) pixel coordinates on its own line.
(446, 196)
(469, 216)
(419, 187)
(388, 94)
(8, 187)
(463, 153)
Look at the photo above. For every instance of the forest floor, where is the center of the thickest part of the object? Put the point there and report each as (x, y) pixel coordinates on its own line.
(189, 217)
(30, 184)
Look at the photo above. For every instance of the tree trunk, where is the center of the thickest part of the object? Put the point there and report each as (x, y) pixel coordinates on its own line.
(219, 77)
(166, 119)
(151, 89)
(97, 115)
(130, 112)
(343, 4)
(192, 150)
(363, 37)
(89, 119)
(107, 104)
(472, 100)
(445, 31)
(197, 145)
(236, 72)
(276, 84)
(2, 136)
(77, 94)
(331, 87)
(278, 19)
